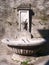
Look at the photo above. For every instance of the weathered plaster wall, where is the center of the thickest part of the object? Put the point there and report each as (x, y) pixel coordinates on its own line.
(9, 16)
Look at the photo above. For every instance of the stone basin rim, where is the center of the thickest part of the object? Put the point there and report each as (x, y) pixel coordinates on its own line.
(23, 42)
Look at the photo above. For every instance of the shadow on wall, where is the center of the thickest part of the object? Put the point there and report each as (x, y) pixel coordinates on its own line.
(31, 13)
(2, 32)
(45, 47)
(47, 63)
(44, 34)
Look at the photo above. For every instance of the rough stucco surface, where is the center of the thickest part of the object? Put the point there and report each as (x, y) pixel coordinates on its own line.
(9, 16)
(9, 28)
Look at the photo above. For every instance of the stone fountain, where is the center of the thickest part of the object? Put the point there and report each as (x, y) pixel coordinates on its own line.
(25, 44)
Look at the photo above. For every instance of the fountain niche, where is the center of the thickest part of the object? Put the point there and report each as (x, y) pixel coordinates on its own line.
(26, 44)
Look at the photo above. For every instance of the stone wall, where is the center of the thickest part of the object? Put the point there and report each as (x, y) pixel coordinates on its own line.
(9, 16)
